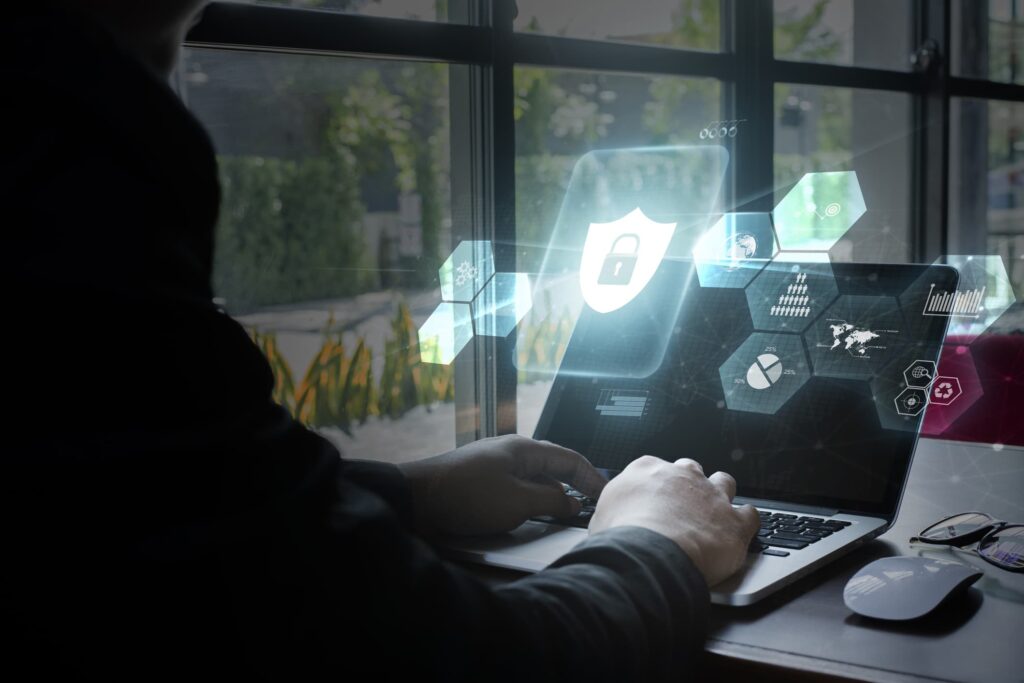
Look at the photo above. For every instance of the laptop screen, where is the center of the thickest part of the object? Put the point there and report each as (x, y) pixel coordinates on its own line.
(824, 409)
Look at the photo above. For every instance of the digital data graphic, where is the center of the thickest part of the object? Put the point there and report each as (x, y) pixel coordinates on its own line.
(476, 301)
(856, 337)
(791, 291)
(764, 372)
(623, 403)
(818, 211)
(982, 294)
(620, 258)
(734, 250)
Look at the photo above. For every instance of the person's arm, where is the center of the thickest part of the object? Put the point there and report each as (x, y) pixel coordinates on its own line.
(628, 603)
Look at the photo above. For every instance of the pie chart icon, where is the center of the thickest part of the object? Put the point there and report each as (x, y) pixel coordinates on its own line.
(765, 372)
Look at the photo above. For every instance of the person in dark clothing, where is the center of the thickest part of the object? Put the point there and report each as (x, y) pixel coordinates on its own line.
(165, 519)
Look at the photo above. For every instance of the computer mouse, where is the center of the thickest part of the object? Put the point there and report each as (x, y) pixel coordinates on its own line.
(900, 588)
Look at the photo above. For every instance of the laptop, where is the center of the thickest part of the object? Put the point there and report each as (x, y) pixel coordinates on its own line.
(817, 418)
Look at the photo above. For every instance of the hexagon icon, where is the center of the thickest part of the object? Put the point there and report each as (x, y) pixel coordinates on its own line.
(465, 272)
(446, 332)
(945, 390)
(791, 291)
(764, 372)
(911, 401)
(734, 250)
(955, 389)
(501, 304)
(856, 337)
(818, 211)
(920, 374)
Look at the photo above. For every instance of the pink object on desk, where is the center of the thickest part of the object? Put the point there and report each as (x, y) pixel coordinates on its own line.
(978, 392)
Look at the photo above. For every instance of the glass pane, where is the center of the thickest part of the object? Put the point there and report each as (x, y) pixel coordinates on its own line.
(868, 33)
(988, 39)
(842, 129)
(954, 527)
(986, 187)
(335, 218)
(560, 115)
(691, 24)
(424, 10)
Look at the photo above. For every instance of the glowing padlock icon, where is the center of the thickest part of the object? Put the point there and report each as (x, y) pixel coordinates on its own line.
(619, 265)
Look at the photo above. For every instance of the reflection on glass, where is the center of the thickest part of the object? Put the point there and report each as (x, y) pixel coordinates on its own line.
(988, 39)
(986, 203)
(691, 24)
(334, 222)
(869, 33)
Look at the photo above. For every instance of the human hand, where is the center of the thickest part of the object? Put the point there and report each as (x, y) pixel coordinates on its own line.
(679, 502)
(496, 484)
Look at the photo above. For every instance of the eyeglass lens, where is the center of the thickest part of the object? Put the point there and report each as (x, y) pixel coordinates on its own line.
(956, 526)
(1005, 546)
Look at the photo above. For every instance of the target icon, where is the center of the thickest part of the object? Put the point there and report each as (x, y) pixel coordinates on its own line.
(831, 210)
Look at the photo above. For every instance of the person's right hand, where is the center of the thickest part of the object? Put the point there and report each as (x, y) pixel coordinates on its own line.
(679, 502)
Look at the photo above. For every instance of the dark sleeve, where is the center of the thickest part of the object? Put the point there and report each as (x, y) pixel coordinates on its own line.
(336, 585)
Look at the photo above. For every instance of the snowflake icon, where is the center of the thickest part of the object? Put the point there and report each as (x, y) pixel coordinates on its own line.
(464, 273)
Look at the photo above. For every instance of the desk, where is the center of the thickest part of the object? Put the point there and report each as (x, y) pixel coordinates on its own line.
(806, 633)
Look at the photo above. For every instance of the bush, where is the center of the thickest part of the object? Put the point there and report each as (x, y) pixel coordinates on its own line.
(289, 231)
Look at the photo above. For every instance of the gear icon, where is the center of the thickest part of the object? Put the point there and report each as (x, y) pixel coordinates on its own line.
(465, 272)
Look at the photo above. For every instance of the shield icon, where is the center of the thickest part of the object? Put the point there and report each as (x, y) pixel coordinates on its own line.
(620, 258)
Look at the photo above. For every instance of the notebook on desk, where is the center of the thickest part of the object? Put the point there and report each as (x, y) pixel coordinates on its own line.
(816, 419)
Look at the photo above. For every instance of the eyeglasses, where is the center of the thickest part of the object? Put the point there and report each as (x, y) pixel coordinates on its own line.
(999, 543)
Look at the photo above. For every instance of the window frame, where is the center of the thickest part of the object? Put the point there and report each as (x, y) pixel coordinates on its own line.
(483, 171)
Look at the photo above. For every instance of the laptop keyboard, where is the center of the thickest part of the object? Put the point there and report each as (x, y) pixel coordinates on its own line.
(780, 532)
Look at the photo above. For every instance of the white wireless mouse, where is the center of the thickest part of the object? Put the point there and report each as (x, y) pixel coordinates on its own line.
(900, 588)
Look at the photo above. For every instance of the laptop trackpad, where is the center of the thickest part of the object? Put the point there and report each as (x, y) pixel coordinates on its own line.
(531, 547)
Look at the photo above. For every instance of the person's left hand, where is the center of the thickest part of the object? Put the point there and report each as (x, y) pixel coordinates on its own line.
(496, 484)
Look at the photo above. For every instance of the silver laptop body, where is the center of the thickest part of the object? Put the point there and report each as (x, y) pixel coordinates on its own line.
(536, 544)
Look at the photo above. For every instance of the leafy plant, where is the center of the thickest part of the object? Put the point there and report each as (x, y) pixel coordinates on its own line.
(284, 385)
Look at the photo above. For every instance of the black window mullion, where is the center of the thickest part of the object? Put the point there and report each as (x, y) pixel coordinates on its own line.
(752, 97)
(931, 132)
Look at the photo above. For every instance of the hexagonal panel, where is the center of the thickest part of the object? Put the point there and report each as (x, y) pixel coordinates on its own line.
(969, 305)
(791, 291)
(465, 272)
(501, 304)
(955, 389)
(983, 294)
(446, 332)
(819, 210)
(901, 404)
(734, 250)
(764, 372)
(856, 337)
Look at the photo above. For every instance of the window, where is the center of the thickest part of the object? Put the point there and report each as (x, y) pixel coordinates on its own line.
(335, 216)
(869, 33)
(692, 24)
(987, 182)
(843, 129)
(358, 150)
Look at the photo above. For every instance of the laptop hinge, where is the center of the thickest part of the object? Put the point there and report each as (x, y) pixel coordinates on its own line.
(779, 505)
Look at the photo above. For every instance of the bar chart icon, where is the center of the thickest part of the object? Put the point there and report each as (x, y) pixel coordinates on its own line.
(622, 403)
(966, 303)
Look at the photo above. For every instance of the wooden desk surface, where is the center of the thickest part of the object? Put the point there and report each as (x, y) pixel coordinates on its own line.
(806, 633)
